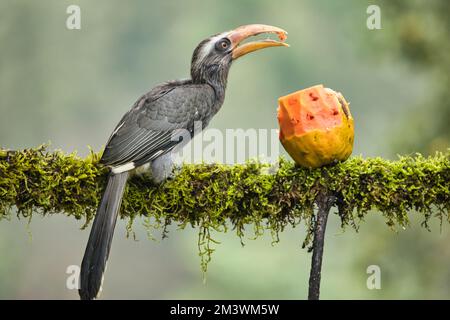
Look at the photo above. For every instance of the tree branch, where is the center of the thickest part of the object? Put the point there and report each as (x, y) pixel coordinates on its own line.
(215, 197)
(324, 203)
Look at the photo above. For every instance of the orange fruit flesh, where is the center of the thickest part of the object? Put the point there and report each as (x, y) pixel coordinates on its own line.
(316, 127)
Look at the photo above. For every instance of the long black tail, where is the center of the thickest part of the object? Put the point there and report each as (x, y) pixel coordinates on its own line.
(99, 243)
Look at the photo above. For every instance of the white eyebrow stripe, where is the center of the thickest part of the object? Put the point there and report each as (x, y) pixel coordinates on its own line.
(208, 47)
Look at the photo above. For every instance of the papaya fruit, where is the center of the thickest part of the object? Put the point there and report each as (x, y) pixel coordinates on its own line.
(316, 126)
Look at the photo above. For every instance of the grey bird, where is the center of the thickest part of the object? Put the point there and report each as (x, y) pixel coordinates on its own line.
(145, 134)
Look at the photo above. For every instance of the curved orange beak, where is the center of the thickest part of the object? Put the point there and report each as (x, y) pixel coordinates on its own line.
(240, 34)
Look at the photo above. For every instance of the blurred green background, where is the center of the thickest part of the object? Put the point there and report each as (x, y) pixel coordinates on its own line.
(71, 87)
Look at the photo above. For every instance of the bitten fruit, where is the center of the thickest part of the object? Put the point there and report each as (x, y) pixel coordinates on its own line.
(316, 127)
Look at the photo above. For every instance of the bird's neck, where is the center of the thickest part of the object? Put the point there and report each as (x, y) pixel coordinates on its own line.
(215, 76)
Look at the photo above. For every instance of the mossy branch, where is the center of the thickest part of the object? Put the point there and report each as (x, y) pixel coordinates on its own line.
(216, 197)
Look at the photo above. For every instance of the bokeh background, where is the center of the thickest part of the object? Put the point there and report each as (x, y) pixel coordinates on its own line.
(70, 87)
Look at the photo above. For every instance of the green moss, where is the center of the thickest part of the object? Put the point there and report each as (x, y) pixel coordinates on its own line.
(216, 198)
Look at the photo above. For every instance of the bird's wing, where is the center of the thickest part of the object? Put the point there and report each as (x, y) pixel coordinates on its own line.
(147, 130)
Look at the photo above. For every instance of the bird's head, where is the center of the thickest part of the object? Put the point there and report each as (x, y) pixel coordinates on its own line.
(213, 57)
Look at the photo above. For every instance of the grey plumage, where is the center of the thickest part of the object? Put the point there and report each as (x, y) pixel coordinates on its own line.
(148, 128)
(99, 243)
(151, 130)
(144, 135)
(162, 168)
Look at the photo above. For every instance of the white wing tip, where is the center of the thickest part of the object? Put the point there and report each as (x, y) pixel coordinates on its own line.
(125, 167)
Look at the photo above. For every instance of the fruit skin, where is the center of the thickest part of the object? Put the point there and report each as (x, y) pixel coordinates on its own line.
(316, 127)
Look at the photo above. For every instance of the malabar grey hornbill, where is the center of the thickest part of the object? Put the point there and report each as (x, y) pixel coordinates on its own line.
(145, 133)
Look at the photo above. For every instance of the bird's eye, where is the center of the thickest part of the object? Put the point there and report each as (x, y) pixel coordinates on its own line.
(223, 44)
